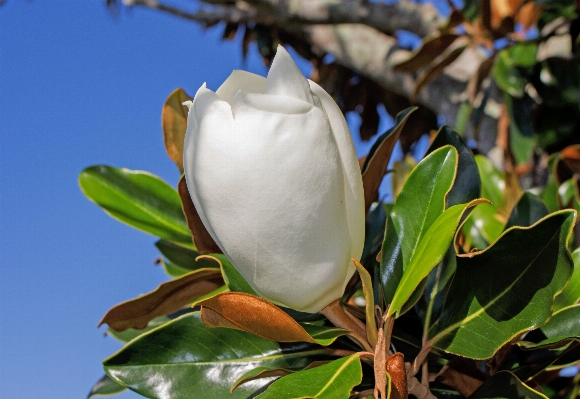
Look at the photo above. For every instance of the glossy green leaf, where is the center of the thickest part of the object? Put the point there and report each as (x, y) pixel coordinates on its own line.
(324, 335)
(483, 227)
(527, 211)
(571, 293)
(419, 204)
(492, 181)
(232, 277)
(430, 251)
(130, 333)
(139, 199)
(505, 385)
(506, 289)
(467, 186)
(171, 269)
(521, 130)
(184, 258)
(564, 325)
(334, 380)
(106, 387)
(184, 359)
(508, 64)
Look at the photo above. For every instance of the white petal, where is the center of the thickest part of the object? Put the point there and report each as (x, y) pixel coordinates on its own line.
(206, 108)
(271, 186)
(285, 79)
(238, 80)
(352, 173)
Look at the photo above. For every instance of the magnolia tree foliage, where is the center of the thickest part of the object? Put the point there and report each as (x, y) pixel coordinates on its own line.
(291, 278)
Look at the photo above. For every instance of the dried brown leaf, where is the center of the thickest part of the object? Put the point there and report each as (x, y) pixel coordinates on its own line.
(252, 314)
(528, 15)
(461, 375)
(437, 67)
(201, 238)
(167, 298)
(571, 157)
(174, 124)
(478, 77)
(430, 49)
(230, 31)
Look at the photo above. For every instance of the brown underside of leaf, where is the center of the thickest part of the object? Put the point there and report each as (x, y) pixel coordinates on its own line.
(174, 124)
(398, 374)
(430, 49)
(377, 166)
(167, 298)
(461, 375)
(252, 314)
(437, 67)
(571, 157)
(201, 238)
(475, 82)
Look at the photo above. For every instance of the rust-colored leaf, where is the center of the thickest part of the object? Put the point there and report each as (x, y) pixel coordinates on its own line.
(462, 375)
(201, 238)
(167, 298)
(249, 313)
(528, 15)
(398, 374)
(376, 162)
(437, 67)
(571, 157)
(174, 124)
(478, 77)
(429, 50)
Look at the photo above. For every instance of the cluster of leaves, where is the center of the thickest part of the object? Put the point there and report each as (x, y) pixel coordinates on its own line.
(462, 297)
(530, 52)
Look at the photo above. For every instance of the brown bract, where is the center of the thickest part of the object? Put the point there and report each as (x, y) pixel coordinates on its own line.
(174, 125)
(376, 167)
(201, 238)
(167, 298)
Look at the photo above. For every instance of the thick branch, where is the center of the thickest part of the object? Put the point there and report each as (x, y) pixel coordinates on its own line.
(421, 19)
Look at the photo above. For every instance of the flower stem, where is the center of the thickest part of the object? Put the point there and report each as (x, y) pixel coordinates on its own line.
(337, 316)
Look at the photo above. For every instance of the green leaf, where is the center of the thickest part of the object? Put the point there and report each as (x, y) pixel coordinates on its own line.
(521, 129)
(130, 333)
(430, 251)
(571, 293)
(324, 335)
(506, 289)
(492, 182)
(233, 278)
(505, 385)
(527, 211)
(186, 360)
(419, 204)
(483, 227)
(564, 325)
(171, 269)
(182, 257)
(467, 186)
(334, 380)
(106, 387)
(139, 199)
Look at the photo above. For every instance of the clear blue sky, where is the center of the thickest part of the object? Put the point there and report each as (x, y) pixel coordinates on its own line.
(78, 87)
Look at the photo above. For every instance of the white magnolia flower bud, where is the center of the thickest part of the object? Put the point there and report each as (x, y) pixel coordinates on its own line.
(274, 176)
